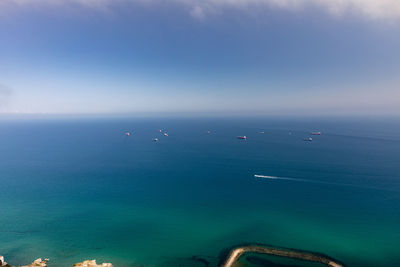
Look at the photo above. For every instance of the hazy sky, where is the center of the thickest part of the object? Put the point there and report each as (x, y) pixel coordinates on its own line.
(263, 56)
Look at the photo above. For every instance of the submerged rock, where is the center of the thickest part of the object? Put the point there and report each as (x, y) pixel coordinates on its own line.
(92, 263)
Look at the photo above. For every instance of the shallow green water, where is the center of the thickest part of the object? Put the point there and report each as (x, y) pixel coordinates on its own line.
(79, 189)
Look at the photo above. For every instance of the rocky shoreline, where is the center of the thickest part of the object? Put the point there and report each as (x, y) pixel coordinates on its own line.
(43, 263)
(229, 257)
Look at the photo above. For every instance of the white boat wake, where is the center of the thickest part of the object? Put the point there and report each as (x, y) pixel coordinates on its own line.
(302, 180)
(268, 177)
(283, 178)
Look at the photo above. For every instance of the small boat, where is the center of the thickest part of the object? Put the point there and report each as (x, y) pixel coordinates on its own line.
(155, 139)
(309, 139)
(165, 134)
(128, 134)
(316, 133)
(242, 137)
(159, 131)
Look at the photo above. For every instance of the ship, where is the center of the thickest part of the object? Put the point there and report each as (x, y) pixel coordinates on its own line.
(242, 137)
(308, 139)
(128, 134)
(155, 139)
(316, 133)
(165, 134)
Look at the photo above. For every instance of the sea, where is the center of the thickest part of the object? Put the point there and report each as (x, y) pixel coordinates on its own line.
(78, 188)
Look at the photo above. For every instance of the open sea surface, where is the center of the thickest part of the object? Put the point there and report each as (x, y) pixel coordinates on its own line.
(77, 189)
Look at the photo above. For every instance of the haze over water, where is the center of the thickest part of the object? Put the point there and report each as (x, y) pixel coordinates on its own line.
(76, 189)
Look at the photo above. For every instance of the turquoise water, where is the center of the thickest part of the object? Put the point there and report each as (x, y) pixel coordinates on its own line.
(72, 190)
(257, 260)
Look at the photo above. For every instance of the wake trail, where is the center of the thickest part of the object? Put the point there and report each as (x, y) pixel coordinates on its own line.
(317, 182)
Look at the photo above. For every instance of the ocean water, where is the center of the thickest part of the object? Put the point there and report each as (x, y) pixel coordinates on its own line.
(76, 189)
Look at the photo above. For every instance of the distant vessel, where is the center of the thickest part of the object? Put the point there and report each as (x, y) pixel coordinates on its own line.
(208, 132)
(155, 139)
(261, 132)
(316, 133)
(308, 139)
(159, 131)
(165, 134)
(242, 137)
(128, 134)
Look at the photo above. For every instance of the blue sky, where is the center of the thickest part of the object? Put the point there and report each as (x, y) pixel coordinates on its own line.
(222, 56)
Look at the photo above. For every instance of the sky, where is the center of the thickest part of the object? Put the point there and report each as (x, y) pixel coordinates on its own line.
(200, 56)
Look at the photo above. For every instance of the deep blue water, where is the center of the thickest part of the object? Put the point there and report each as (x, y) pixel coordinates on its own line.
(76, 189)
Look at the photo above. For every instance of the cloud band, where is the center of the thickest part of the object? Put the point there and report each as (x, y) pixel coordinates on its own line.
(200, 9)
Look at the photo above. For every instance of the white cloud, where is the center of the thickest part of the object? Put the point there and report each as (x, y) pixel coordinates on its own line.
(200, 9)
(372, 9)
(198, 12)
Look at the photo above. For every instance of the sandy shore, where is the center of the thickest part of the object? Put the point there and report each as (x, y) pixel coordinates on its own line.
(235, 254)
